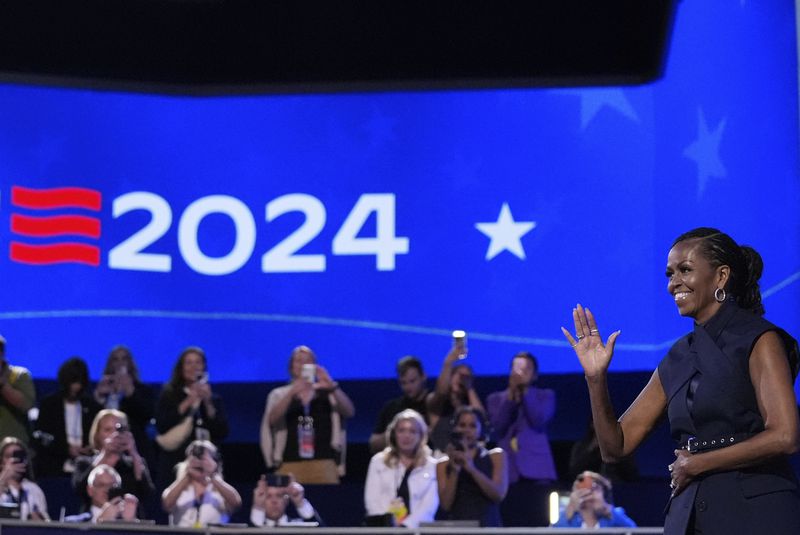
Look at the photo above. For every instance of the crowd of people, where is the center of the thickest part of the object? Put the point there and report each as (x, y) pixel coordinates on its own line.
(441, 454)
(432, 456)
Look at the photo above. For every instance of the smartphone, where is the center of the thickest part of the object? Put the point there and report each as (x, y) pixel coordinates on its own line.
(120, 427)
(457, 440)
(277, 480)
(202, 378)
(460, 341)
(19, 456)
(197, 451)
(309, 373)
(115, 492)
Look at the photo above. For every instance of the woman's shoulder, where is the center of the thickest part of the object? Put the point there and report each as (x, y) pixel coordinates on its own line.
(494, 452)
(431, 462)
(278, 391)
(378, 461)
(31, 486)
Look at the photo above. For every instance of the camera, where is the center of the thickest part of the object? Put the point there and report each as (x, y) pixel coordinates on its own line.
(457, 440)
(19, 456)
(197, 451)
(115, 492)
(277, 480)
(120, 427)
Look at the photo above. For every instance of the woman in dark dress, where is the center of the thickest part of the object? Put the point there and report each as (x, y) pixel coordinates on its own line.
(726, 388)
(472, 480)
(187, 410)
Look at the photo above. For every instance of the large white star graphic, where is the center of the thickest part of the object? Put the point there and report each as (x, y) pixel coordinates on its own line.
(505, 234)
(705, 152)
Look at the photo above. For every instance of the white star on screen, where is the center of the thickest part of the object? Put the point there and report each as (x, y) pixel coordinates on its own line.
(704, 151)
(505, 234)
(594, 100)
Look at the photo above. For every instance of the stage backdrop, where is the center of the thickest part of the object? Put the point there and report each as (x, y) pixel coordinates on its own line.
(368, 226)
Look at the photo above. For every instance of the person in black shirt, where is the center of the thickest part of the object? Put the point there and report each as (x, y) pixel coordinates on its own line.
(412, 380)
(187, 410)
(303, 426)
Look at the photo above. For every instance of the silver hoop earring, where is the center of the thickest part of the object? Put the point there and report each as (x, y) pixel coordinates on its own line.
(720, 295)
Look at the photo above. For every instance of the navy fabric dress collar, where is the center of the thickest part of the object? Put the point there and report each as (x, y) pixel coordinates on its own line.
(719, 321)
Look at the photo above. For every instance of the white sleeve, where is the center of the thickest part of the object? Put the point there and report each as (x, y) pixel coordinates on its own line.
(373, 502)
(37, 500)
(306, 510)
(257, 517)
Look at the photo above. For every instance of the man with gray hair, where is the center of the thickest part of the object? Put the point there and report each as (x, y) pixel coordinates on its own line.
(109, 503)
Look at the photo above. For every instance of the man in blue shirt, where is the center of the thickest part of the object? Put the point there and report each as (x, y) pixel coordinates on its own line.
(591, 505)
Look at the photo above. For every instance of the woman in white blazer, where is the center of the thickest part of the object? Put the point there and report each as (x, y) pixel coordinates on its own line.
(402, 478)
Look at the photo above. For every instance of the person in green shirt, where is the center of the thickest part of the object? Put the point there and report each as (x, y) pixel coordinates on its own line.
(17, 397)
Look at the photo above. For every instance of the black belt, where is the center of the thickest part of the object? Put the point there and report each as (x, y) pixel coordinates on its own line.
(696, 444)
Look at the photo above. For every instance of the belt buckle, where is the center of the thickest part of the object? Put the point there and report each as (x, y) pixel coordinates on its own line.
(689, 445)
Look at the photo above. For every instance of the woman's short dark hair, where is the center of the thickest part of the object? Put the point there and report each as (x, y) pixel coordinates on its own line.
(176, 381)
(745, 263)
(73, 370)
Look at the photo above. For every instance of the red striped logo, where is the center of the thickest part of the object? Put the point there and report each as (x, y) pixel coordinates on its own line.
(47, 226)
(47, 199)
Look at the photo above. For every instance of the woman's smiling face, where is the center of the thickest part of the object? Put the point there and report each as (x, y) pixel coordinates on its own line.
(692, 280)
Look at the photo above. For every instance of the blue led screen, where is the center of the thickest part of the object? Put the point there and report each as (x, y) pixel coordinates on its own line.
(368, 226)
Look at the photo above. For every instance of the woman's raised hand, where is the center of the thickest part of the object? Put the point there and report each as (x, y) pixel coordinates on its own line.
(593, 355)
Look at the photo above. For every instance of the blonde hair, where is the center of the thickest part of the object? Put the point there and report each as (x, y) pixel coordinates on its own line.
(391, 455)
(121, 416)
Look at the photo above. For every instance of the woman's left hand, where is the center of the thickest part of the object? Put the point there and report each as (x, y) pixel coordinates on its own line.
(324, 380)
(680, 471)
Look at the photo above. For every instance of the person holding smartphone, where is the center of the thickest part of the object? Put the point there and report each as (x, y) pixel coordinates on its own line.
(454, 389)
(187, 410)
(271, 499)
(519, 416)
(16, 485)
(472, 480)
(200, 496)
(302, 429)
(121, 388)
(109, 503)
(591, 505)
(115, 446)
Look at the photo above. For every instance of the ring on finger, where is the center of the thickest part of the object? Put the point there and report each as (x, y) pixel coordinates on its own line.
(581, 336)
(593, 332)
(672, 484)
(669, 468)
(574, 345)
